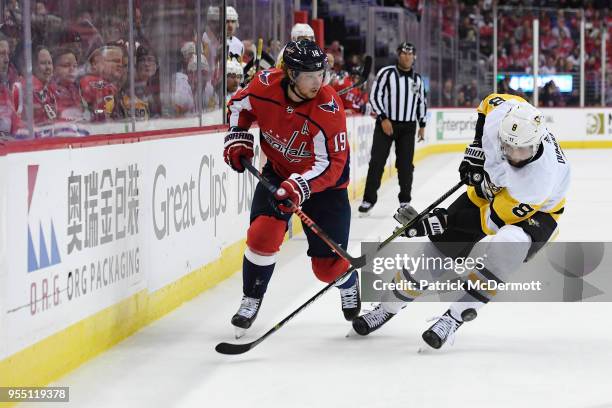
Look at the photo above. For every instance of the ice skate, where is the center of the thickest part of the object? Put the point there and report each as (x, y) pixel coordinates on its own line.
(364, 208)
(246, 314)
(372, 320)
(351, 300)
(444, 328)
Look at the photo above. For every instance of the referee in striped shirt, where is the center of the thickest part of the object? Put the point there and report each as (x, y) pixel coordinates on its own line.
(398, 97)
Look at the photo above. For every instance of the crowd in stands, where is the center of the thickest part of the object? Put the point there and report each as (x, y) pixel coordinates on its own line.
(80, 67)
(559, 41)
(80, 64)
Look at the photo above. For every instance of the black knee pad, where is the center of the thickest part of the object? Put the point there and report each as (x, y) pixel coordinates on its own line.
(540, 228)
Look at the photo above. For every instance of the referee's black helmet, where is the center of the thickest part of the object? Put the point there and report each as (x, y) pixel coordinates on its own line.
(406, 47)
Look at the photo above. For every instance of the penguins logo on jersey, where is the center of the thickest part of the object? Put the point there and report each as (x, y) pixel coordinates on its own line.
(330, 106)
(263, 77)
(533, 223)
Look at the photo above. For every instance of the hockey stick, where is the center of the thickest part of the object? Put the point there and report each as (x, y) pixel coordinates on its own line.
(355, 262)
(399, 231)
(259, 50)
(229, 348)
(365, 73)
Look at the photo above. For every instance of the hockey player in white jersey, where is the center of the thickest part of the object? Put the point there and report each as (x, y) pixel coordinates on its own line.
(234, 78)
(235, 48)
(517, 178)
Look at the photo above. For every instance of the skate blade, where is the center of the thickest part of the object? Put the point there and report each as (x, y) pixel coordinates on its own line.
(364, 215)
(352, 333)
(239, 332)
(425, 350)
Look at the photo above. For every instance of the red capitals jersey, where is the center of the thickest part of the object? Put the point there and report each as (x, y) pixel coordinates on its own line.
(43, 101)
(307, 138)
(99, 95)
(69, 102)
(9, 120)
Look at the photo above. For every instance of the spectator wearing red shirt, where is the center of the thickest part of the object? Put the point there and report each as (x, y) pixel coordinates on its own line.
(68, 96)
(43, 99)
(548, 41)
(502, 60)
(10, 122)
(566, 44)
(100, 87)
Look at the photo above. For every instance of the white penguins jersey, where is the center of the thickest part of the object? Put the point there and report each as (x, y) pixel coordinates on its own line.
(519, 192)
(235, 48)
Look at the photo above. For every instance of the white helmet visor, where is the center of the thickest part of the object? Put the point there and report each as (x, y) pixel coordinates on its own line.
(516, 155)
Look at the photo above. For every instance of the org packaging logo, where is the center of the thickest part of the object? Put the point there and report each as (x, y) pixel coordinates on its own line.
(43, 250)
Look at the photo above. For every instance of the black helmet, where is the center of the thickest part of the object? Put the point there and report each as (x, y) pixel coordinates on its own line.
(305, 56)
(406, 47)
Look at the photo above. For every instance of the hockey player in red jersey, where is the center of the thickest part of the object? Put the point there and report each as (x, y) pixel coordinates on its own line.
(303, 135)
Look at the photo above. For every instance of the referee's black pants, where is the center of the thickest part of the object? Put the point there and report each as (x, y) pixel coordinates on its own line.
(403, 136)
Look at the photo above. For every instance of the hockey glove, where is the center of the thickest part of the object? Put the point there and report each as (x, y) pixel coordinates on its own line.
(295, 189)
(433, 223)
(486, 189)
(472, 165)
(237, 144)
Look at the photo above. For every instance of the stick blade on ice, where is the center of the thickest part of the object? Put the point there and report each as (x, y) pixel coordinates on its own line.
(233, 349)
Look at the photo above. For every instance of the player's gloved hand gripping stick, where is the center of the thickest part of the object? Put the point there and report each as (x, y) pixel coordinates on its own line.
(228, 348)
(401, 230)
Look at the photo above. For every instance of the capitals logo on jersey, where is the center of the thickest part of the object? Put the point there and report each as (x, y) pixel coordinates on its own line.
(263, 77)
(288, 151)
(330, 106)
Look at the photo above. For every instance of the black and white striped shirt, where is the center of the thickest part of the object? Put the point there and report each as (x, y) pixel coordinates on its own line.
(399, 95)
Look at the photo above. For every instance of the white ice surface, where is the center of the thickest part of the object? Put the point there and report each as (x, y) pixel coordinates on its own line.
(513, 355)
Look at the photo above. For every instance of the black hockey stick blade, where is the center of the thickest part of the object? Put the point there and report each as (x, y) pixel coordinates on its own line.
(234, 349)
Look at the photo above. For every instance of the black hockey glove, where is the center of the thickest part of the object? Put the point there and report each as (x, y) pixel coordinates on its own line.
(472, 165)
(433, 223)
